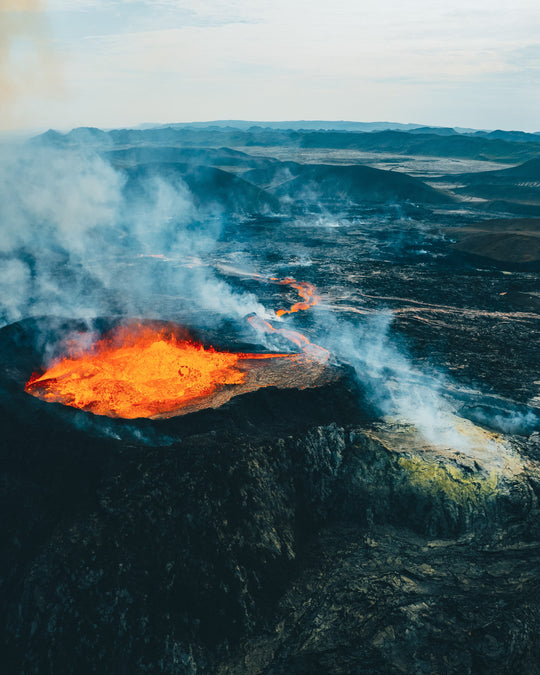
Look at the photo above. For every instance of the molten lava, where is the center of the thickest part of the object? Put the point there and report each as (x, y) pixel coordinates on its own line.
(305, 290)
(309, 293)
(311, 350)
(140, 371)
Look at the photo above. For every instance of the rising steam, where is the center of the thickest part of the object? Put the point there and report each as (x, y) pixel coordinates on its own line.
(72, 243)
(397, 389)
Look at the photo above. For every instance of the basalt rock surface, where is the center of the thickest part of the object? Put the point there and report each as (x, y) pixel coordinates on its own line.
(327, 544)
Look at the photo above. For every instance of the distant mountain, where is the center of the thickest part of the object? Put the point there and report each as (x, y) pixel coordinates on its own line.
(528, 171)
(400, 142)
(417, 142)
(50, 137)
(342, 185)
(277, 186)
(514, 136)
(440, 131)
(296, 125)
(517, 185)
(147, 154)
(89, 135)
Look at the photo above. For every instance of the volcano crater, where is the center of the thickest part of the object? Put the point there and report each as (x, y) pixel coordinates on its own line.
(290, 390)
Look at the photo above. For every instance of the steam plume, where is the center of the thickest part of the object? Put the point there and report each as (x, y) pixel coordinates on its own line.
(397, 389)
(73, 244)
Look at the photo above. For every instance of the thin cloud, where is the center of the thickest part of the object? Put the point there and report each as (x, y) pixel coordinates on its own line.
(308, 59)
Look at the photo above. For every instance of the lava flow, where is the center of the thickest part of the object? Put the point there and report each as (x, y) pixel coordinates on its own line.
(140, 371)
(305, 290)
(299, 339)
(309, 293)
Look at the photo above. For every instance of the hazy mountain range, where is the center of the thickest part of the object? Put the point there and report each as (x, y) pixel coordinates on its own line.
(499, 146)
(260, 171)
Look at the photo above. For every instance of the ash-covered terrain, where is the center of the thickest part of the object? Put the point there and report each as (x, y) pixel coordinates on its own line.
(374, 507)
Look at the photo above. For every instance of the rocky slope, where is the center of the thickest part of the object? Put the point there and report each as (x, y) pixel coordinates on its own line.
(343, 545)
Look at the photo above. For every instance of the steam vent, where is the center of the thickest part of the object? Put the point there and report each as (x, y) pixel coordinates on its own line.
(251, 517)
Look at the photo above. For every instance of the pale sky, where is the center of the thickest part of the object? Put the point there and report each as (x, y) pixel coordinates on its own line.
(113, 63)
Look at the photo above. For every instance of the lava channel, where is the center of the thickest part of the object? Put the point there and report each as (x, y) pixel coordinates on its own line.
(305, 290)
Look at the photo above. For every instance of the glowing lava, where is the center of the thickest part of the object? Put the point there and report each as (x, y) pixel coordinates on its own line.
(140, 371)
(305, 290)
(311, 350)
(309, 293)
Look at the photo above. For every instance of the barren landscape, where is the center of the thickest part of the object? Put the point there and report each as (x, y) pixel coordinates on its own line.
(363, 499)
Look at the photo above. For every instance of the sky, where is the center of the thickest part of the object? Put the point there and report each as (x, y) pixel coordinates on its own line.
(115, 63)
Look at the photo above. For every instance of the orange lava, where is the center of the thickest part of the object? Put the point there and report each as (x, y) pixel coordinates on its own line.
(309, 348)
(139, 371)
(309, 293)
(305, 290)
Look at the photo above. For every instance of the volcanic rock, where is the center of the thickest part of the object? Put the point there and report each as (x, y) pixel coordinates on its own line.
(513, 242)
(291, 528)
(343, 184)
(285, 531)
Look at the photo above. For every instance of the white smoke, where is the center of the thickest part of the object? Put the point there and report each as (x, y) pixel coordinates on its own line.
(75, 243)
(508, 421)
(397, 389)
(72, 241)
(14, 287)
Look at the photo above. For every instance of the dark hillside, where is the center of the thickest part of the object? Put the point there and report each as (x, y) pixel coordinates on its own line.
(210, 188)
(427, 142)
(354, 183)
